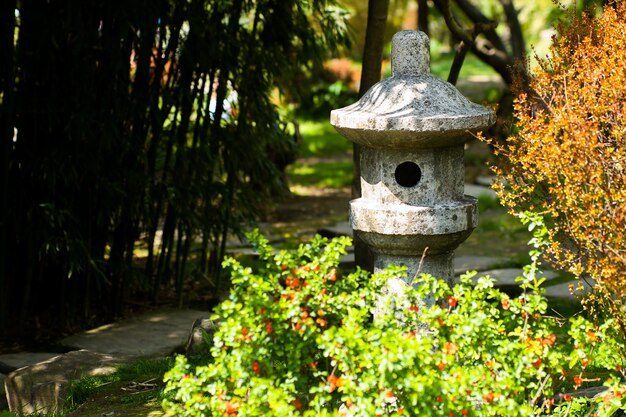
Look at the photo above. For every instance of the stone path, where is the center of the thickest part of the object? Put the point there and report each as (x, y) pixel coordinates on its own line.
(38, 380)
(151, 335)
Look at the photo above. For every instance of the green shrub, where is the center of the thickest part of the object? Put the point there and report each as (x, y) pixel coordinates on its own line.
(297, 339)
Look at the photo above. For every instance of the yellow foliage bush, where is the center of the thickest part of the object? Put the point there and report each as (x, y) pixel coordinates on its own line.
(567, 157)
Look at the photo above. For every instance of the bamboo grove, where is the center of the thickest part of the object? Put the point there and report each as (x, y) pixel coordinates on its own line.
(139, 125)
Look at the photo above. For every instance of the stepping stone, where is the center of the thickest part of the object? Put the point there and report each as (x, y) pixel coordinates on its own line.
(479, 190)
(235, 242)
(340, 229)
(11, 361)
(41, 388)
(155, 334)
(507, 276)
(463, 264)
(563, 290)
(486, 180)
(241, 251)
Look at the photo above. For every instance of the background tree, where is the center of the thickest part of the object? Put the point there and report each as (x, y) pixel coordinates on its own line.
(476, 32)
(140, 126)
(377, 12)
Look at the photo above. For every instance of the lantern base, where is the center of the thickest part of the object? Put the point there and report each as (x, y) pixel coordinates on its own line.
(439, 266)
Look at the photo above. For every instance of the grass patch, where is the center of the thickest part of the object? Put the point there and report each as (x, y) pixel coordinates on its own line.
(487, 202)
(498, 234)
(472, 66)
(319, 138)
(324, 174)
(134, 389)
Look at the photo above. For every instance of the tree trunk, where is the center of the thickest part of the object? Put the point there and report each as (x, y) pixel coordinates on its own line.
(422, 16)
(7, 78)
(374, 42)
(370, 74)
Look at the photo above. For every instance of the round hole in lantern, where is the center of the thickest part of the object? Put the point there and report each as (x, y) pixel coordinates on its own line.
(408, 174)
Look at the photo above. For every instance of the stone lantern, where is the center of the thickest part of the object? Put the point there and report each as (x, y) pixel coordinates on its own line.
(412, 128)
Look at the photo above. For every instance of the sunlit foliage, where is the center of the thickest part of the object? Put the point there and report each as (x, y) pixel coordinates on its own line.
(567, 159)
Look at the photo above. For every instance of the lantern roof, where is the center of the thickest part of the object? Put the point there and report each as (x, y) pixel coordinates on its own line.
(412, 108)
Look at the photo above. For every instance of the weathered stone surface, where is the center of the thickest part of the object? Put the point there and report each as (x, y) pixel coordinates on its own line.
(202, 332)
(403, 219)
(155, 334)
(9, 362)
(4, 404)
(439, 266)
(437, 175)
(41, 388)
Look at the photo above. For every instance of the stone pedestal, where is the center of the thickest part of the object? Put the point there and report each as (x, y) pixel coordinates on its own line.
(412, 128)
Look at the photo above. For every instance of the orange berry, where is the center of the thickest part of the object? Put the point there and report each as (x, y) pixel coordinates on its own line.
(292, 282)
(488, 397)
(335, 382)
(578, 381)
(332, 275)
(450, 348)
(549, 341)
(452, 301)
(232, 406)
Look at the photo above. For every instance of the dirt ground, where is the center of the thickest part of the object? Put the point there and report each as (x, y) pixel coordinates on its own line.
(299, 215)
